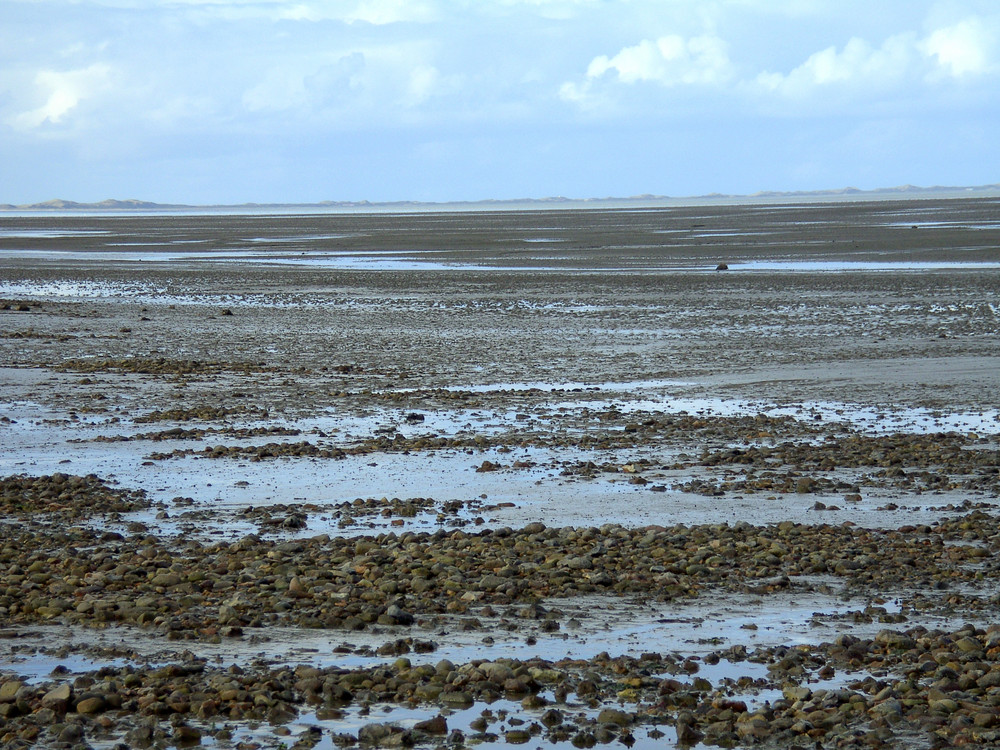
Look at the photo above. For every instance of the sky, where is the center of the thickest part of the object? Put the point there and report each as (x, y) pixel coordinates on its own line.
(233, 101)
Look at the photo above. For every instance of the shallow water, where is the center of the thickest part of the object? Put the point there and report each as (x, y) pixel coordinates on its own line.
(539, 327)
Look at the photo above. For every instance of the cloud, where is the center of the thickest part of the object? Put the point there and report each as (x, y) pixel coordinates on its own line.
(905, 65)
(383, 12)
(967, 48)
(963, 50)
(670, 61)
(63, 91)
(307, 85)
(349, 88)
(856, 64)
(375, 12)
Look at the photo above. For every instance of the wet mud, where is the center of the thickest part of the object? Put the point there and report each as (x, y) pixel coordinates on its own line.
(489, 479)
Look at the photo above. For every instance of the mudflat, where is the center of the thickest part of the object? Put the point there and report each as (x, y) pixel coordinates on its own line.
(712, 474)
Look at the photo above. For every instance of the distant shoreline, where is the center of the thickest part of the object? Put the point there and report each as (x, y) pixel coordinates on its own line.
(553, 203)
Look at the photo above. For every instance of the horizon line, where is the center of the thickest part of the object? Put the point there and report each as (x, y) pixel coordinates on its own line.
(60, 204)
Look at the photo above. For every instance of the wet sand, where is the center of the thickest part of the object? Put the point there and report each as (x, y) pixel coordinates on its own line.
(352, 473)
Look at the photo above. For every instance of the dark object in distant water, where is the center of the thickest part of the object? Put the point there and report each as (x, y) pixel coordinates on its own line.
(722, 267)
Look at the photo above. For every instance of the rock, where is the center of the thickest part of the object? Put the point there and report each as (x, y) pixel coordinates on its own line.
(58, 698)
(496, 671)
(891, 707)
(986, 719)
(8, 690)
(437, 725)
(71, 734)
(185, 734)
(895, 640)
(585, 688)
(457, 697)
(795, 693)
(373, 734)
(141, 737)
(614, 716)
(491, 582)
(91, 705)
(399, 616)
(297, 588)
(943, 706)
(166, 580)
(805, 485)
(969, 645)
(686, 733)
(552, 717)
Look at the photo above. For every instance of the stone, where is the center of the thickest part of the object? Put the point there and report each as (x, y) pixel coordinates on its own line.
(58, 698)
(436, 725)
(92, 705)
(552, 717)
(373, 734)
(614, 716)
(805, 485)
(517, 736)
(8, 691)
(185, 734)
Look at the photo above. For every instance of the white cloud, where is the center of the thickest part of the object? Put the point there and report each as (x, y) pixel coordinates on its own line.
(857, 64)
(966, 48)
(383, 12)
(670, 60)
(876, 69)
(63, 91)
(375, 12)
(962, 50)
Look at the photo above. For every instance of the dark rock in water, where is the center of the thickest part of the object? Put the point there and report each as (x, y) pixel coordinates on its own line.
(185, 734)
(688, 735)
(374, 734)
(437, 725)
(553, 717)
(614, 716)
(414, 417)
(722, 267)
(71, 734)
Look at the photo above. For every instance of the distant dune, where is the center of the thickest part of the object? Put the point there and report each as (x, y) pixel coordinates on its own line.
(111, 204)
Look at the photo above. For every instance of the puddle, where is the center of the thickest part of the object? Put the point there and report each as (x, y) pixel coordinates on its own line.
(38, 442)
(860, 266)
(588, 626)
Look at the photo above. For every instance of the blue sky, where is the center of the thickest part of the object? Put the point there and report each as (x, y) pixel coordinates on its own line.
(229, 101)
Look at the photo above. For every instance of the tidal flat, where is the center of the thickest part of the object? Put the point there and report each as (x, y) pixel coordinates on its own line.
(707, 475)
